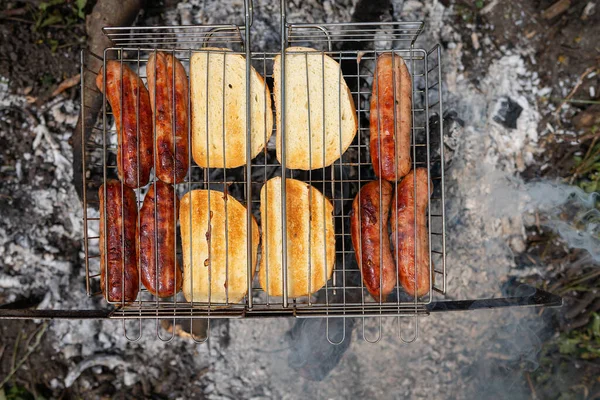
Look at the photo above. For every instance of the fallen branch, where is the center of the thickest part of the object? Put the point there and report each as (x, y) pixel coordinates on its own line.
(104, 13)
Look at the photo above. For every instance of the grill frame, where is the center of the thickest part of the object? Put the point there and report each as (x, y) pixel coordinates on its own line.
(326, 183)
(324, 37)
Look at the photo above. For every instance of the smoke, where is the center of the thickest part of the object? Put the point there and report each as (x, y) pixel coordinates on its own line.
(311, 352)
(570, 212)
(565, 209)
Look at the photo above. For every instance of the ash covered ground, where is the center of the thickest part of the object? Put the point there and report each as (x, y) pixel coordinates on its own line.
(490, 205)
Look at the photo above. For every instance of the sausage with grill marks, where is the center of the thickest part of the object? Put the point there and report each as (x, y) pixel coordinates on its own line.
(159, 268)
(371, 240)
(390, 155)
(168, 87)
(119, 279)
(133, 117)
(403, 232)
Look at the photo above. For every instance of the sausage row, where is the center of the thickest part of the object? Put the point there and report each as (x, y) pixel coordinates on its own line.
(152, 129)
(127, 238)
(405, 203)
(152, 126)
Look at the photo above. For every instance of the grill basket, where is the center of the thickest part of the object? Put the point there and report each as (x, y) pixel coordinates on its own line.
(355, 46)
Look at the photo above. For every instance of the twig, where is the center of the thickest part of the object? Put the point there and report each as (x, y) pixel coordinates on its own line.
(38, 338)
(576, 101)
(581, 101)
(586, 390)
(581, 304)
(577, 85)
(489, 7)
(588, 161)
(25, 21)
(13, 12)
(556, 9)
(588, 136)
(578, 322)
(13, 361)
(584, 161)
(530, 383)
(500, 356)
(584, 278)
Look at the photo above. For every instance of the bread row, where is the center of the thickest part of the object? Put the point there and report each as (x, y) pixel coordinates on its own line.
(152, 124)
(214, 238)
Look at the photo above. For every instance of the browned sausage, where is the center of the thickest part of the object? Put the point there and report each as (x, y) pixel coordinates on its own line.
(169, 100)
(134, 171)
(391, 83)
(118, 211)
(157, 241)
(403, 233)
(372, 247)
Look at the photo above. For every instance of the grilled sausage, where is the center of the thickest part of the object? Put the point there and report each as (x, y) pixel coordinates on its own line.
(391, 83)
(133, 117)
(371, 239)
(168, 87)
(119, 279)
(161, 273)
(407, 250)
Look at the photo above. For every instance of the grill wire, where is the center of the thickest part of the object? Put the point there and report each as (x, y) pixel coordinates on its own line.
(344, 295)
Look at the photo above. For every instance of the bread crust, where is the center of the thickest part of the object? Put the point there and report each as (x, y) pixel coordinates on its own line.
(300, 154)
(310, 238)
(233, 103)
(217, 248)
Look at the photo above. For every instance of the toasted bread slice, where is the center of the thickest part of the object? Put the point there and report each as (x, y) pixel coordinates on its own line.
(219, 108)
(314, 86)
(214, 248)
(310, 238)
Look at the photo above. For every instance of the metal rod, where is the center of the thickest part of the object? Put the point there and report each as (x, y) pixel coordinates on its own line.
(249, 219)
(84, 176)
(283, 112)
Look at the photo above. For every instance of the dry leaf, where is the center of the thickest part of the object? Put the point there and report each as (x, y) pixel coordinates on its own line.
(66, 84)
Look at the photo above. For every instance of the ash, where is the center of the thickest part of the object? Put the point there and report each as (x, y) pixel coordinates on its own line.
(461, 355)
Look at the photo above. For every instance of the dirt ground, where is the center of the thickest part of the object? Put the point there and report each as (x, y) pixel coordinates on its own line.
(40, 48)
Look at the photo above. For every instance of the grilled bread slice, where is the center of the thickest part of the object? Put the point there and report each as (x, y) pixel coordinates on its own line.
(315, 88)
(310, 238)
(214, 247)
(219, 109)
